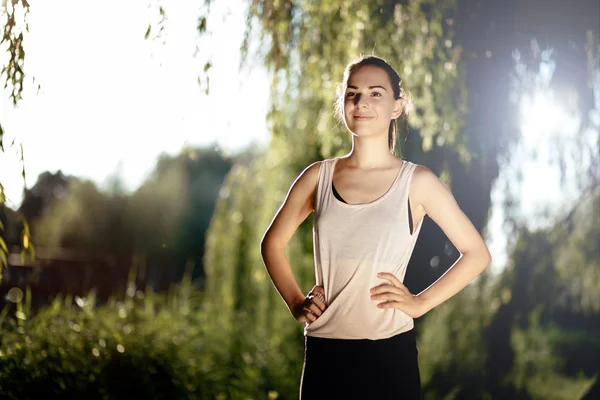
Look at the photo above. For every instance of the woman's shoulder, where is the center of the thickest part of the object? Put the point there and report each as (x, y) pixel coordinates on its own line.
(424, 181)
(419, 171)
(420, 175)
(313, 168)
(310, 174)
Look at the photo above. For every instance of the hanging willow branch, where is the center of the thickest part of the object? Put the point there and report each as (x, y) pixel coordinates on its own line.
(13, 19)
(12, 37)
(306, 45)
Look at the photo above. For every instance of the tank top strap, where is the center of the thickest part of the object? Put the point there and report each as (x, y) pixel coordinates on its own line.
(323, 183)
(402, 185)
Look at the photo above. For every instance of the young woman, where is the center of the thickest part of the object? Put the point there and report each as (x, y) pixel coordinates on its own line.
(369, 206)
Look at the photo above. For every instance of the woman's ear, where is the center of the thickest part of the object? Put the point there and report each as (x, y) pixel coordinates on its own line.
(398, 108)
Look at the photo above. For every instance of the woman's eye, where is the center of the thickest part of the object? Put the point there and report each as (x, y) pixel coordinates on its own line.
(349, 94)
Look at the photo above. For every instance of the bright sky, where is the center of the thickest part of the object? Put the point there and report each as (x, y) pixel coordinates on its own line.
(112, 100)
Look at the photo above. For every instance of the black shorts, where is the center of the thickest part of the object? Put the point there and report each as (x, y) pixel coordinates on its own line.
(361, 368)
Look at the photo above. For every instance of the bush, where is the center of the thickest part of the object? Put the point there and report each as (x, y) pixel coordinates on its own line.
(146, 346)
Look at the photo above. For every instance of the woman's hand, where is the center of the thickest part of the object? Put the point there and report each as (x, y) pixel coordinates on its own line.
(311, 307)
(396, 295)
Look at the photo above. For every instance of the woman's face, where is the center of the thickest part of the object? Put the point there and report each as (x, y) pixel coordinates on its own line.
(369, 103)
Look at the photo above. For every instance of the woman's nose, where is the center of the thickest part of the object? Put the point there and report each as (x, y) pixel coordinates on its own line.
(359, 101)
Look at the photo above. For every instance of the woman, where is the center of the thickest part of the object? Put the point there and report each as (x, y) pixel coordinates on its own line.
(369, 206)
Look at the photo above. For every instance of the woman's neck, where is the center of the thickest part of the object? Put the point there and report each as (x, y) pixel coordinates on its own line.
(368, 153)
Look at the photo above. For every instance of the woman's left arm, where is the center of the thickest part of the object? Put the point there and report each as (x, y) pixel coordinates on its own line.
(431, 196)
(437, 201)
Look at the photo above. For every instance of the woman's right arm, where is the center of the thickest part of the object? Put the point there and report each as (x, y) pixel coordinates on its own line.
(296, 207)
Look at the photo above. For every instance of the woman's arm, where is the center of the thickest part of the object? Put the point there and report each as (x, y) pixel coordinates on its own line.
(432, 197)
(296, 207)
(440, 205)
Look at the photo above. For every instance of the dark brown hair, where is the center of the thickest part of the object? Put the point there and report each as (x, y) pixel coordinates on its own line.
(395, 81)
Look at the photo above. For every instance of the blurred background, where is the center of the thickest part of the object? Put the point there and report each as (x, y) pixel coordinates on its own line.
(145, 147)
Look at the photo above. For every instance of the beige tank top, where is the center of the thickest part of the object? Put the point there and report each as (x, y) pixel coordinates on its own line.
(352, 243)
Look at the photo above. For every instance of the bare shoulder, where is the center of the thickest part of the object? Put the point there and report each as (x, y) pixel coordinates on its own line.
(426, 185)
(303, 189)
(297, 205)
(309, 175)
(423, 177)
(313, 169)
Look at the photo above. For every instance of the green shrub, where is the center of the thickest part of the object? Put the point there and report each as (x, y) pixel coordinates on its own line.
(146, 346)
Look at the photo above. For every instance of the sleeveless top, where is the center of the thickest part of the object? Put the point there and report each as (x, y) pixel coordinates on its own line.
(352, 243)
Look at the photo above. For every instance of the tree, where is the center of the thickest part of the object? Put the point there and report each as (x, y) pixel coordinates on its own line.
(157, 230)
(173, 208)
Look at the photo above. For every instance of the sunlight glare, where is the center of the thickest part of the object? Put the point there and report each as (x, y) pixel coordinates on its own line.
(543, 115)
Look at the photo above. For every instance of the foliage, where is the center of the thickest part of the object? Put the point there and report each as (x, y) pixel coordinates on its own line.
(153, 346)
(146, 346)
(530, 333)
(309, 45)
(239, 296)
(13, 20)
(12, 38)
(547, 347)
(189, 187)
(452, 351)
(158, 230)
(167, 214)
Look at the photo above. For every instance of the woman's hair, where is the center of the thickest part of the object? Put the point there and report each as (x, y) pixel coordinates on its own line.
(396, 82)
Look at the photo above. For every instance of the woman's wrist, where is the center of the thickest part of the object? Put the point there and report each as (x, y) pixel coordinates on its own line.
(423, 306)
(296, 299)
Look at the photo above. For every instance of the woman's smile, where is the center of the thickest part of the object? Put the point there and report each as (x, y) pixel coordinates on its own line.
(362, 117)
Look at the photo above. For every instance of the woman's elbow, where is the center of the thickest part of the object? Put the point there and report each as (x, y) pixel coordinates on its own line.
(480, 256)
(486, 257)
(264, 244)
(268, 242)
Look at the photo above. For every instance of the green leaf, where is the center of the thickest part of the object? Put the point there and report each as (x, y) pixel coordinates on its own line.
(3, 245)
(147, 35)
(4, 312)
(31, 252)
(202, 25)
